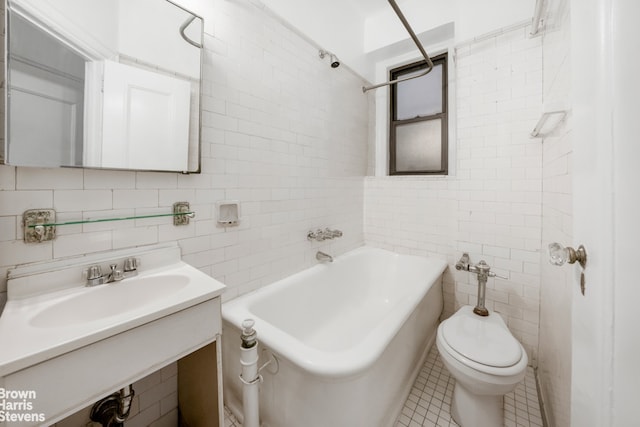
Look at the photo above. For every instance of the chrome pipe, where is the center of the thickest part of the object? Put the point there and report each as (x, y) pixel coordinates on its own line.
(404, 21)
(537, 17)
(183, 27)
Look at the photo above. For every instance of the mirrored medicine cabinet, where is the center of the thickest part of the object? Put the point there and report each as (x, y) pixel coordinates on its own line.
(110, 84)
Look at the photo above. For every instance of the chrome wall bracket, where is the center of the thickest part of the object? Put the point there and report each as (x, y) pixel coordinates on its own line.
(37, 225)
(182, 208)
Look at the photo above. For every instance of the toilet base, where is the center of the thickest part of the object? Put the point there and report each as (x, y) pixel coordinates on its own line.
(474, 410)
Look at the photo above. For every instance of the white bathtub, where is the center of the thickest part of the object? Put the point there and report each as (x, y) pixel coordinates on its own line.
(350, 337)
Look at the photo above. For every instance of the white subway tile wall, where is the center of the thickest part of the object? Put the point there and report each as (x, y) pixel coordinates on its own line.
(492, 207)
(283, 133)
(556, 286)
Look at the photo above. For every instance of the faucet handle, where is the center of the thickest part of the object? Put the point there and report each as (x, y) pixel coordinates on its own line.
(94, 272)
(492, 274)
(131, 264)
(333, 233)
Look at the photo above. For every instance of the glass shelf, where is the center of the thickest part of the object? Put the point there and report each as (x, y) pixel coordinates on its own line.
(40, 224)
(124, 218)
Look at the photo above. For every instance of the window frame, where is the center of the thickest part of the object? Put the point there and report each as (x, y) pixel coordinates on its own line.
(398, 72)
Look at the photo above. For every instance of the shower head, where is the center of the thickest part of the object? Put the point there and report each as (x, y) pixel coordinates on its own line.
(335, 63)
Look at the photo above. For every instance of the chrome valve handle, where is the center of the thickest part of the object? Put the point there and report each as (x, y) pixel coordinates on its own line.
(483, 270)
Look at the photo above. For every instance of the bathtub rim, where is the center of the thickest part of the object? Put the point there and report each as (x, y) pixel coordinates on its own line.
(331, 364)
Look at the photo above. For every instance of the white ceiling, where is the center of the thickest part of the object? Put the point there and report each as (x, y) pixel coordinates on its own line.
(370, 7)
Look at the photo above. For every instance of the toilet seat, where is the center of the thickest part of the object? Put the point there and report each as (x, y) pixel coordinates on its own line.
(483, 340)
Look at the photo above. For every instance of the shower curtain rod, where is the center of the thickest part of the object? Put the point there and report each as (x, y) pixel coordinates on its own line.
(183, 27)
(398, 12)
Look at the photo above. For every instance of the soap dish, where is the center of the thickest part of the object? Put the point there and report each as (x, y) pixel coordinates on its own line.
(228, 213)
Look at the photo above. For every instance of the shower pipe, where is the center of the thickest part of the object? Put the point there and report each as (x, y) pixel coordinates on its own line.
(404, 21)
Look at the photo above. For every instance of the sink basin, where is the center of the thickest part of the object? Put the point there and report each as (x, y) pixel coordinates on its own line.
(109, 300)
(94, 340)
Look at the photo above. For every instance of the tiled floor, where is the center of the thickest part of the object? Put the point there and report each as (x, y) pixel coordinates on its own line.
(230, 419)
(429, 402)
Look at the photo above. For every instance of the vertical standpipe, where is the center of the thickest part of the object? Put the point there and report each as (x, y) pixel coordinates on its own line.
(249, 376)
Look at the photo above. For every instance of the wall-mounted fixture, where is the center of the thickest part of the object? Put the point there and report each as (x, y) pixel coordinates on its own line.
(320, 235)
(333, 59)
(483, 270)
(228, 213)
(40, 224)
(323, 257)
(558, 255)
(182, 213)
(85, 73)
(551, 117)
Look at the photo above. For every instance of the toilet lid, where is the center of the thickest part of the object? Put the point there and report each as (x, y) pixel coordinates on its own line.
(485, 340)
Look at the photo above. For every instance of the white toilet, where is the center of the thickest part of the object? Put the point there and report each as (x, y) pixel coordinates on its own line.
(486, 362)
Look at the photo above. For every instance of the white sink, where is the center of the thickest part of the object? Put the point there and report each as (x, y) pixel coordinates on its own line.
(109, 300)
(73, 344)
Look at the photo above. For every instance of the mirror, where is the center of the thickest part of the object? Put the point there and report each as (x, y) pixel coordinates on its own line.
(103, 84)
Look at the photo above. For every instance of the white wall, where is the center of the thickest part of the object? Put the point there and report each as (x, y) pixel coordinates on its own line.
(334, 25)
(355, 29)
(491, 208)
(283, 133)
(556, 284)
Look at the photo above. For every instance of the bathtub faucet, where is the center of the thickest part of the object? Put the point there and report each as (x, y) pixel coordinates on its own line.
(321, 256)
(327, 234)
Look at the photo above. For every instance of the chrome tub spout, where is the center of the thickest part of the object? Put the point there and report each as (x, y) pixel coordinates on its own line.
(322, 257)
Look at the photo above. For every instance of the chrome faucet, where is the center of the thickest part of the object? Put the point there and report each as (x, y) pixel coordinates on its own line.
(130, 267)
(321, 256)
(320, 235)
(95, 276)
(483, 271)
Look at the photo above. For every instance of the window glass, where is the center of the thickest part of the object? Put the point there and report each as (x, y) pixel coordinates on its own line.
(418, 137)
(421, 96)
(419, 146)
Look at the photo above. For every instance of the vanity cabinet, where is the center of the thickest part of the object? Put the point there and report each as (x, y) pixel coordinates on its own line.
(200, 388)
(109, 336)
(79, 378)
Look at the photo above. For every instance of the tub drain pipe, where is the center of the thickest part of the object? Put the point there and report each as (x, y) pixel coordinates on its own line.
(250, 376)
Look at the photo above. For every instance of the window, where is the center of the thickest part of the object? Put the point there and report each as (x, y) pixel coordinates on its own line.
(418, 139)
